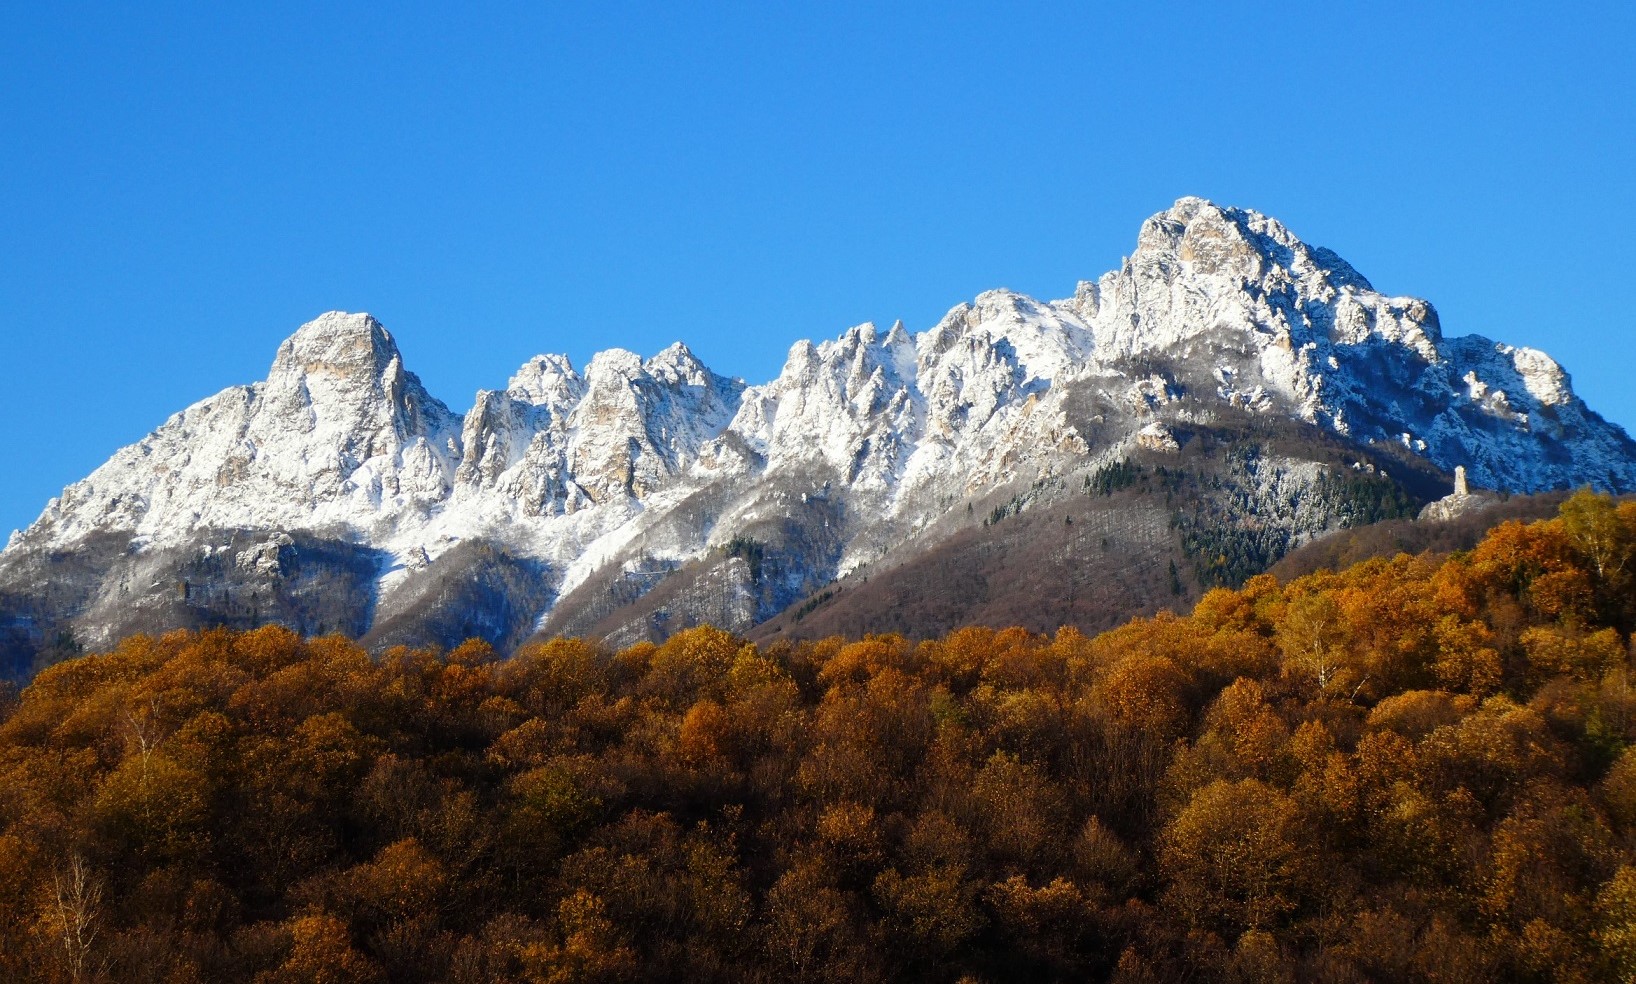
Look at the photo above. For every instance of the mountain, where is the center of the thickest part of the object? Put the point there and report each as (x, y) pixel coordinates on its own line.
(1233, 390)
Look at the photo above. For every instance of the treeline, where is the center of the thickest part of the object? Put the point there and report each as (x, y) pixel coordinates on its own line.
(1414, 770)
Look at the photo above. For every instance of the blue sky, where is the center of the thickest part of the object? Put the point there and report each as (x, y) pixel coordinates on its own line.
(183, 185)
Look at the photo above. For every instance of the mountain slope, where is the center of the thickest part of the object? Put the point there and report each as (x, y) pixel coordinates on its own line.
(639, 496)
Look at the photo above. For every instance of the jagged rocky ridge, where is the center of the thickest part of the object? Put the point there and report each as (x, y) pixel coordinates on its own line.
(659, 479)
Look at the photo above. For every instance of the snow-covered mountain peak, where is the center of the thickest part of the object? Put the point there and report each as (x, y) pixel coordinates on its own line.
(341, 379)
(547, 380)
(613, 362)
(676, 365)
(1197, 237)
(337, 343)
(803, 356)
(1207, 277)
(1210, 239)
(1034, 339)
(622, 376)
(853, 340)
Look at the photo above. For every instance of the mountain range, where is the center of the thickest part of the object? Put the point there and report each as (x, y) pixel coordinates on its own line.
(1226, 394)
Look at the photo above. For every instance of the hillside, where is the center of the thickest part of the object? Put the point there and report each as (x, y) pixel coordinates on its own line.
(1411, 770)
(1150, 531)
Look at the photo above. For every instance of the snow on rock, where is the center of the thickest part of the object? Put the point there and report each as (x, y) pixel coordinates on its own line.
(339, 437)
(847, 405)
(1157, 437)
(1216, 307)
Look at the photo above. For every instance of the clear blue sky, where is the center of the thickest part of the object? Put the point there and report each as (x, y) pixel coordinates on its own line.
(182, 186)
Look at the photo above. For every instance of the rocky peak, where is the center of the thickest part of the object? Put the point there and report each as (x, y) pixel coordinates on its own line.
(621, 377)
(340, 379)
(801, 362)
(1195, 232)
(352, 348)
(1086, 302)
(1339, 271)
(1198, 238)
(547, 380)
(676, 365)
(613, 364)
(641, 422)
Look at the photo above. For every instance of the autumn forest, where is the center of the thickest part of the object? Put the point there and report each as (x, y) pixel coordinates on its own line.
(1416, 769)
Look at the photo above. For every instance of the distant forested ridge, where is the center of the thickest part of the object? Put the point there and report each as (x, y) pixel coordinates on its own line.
(1416, 769)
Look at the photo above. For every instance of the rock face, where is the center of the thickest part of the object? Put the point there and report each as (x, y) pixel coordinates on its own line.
(603, 484)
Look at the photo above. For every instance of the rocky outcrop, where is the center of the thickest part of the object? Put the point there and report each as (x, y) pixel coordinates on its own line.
(1457, 503)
